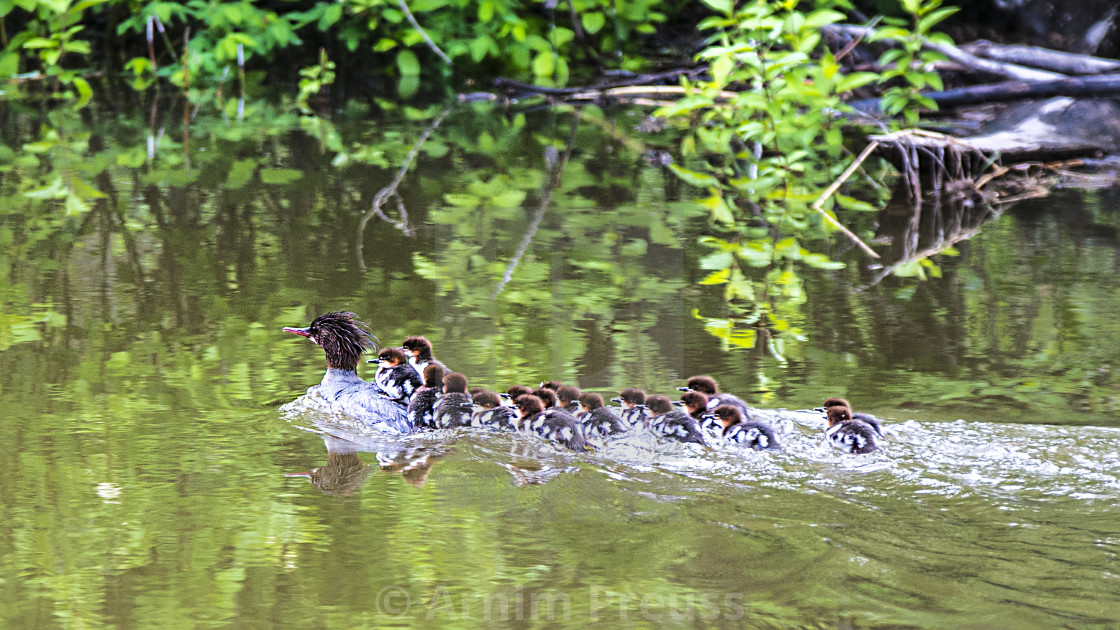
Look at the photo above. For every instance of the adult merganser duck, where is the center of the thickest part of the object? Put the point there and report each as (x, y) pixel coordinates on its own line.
(864, 417)
(675, 425)
(632, 403)
(708, 386)
(344, 338)
(423, 403)
(454, 408)
(396, 378)
(555, 425)
(492, 414)
(750, 433)
(419, 351)
(567, 398)
(596, 419)
(848, 434)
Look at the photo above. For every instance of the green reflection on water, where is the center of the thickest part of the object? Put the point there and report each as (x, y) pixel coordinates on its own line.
(144, 482)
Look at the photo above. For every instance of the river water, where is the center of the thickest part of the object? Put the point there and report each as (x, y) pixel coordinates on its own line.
(150, 478)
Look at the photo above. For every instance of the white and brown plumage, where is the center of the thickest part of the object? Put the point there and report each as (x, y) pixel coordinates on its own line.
(552, 424)
(343, 339)
(849, 434)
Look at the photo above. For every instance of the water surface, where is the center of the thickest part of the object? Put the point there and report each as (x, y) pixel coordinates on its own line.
(150, 480)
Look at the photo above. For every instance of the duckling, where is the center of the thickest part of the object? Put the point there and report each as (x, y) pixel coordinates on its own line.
(675, 425)
(632, 403)
(848, 434)
(567, 398)
(708, 386)
(454, 408)
(547, 396)
(396, 378)
(865, 417)
(750, 433)
(343, 339)
(555, 425)
(420, 409)
(419, 351)
(513, 392)
(697, 405)
(492, 414)
(597, 420)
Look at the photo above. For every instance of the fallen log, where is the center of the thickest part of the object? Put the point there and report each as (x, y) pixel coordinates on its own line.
(1042, 58)
(953, 53)
(1092, 86)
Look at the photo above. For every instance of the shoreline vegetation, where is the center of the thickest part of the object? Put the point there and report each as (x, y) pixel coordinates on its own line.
(790, 119)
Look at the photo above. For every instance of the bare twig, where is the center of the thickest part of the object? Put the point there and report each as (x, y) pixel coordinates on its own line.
(390, 191)
(557, 164)
(428, 40)
(819, 203)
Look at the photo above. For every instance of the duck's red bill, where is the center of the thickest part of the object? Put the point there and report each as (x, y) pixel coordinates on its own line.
(302, 332)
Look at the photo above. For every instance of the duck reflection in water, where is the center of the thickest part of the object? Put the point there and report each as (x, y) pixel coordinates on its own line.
(345, 470)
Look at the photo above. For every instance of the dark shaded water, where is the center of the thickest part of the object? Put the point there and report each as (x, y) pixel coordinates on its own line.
(148, 477)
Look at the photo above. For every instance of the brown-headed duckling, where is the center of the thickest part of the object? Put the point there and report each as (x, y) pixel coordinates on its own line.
(547, 396)
(422, 406)
(848, 434)
(454, 408)
(396, 378)
(597, 420)
(707, 385)
(492, 414)
(750, 433)
(419, 351)
(672, 424)
(552, 424)
(567, 398)
(863, 417)
(632, 403)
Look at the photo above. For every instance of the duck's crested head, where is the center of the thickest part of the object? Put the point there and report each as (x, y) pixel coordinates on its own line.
(487, 399)
(591, 400)
(703, 384)
(695, 401)
(341, 335)
(836, 402)
(658, 405)
(421, 345)
(567, 394)
(528, 405)
(455, 383)
(433, 375)
(837, 414)
(729, 414)
(633, 395)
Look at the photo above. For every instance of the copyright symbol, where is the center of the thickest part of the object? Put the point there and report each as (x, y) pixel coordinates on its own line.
(393, 600)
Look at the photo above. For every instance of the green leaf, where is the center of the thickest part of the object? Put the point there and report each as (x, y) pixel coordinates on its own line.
(544, 64)
(408, 64)
(700, 180)
(717, 277)
(85, 92)
(592, 22)
(240, 173)
(722, 6)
